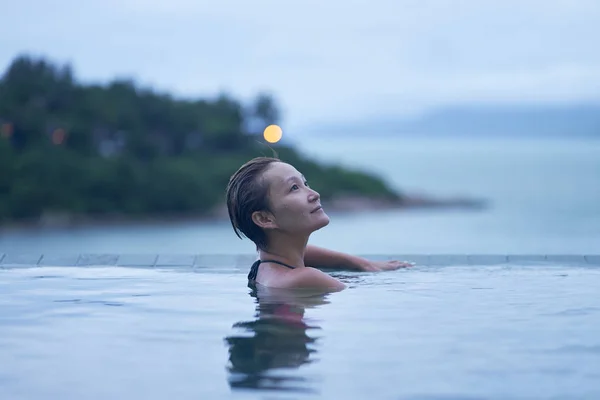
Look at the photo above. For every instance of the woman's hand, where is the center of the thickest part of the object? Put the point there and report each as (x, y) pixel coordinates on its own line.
(374, 266)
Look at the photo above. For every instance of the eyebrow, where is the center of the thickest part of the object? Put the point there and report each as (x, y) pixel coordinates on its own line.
(293, 178)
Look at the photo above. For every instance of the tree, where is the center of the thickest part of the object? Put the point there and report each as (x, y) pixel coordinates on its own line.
(265, 109)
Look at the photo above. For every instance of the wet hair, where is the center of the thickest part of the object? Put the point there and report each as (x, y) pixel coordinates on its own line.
(246, 193)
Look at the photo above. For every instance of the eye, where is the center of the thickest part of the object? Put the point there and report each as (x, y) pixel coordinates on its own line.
(294, 187)
(306, 184)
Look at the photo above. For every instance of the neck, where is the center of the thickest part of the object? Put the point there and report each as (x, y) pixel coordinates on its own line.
(286, 249)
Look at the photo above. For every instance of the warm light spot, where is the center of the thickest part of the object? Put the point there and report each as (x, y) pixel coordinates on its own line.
(58, 136)
(6, 130)
(272, 133)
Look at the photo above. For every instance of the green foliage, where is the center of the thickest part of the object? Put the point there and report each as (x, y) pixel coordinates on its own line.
(125, 150)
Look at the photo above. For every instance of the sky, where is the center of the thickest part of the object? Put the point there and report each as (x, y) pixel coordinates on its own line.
(324, 61)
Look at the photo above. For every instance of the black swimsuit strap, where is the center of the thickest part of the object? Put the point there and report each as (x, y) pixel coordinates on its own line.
(254, 269)
(277, 262)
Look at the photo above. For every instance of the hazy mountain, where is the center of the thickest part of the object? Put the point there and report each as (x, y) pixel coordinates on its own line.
(574, 120)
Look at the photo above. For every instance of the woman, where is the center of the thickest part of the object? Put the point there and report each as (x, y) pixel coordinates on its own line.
(270, 203)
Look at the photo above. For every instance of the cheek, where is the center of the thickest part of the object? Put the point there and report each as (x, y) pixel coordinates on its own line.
(290, 208)
(291, 213)
(283, 212)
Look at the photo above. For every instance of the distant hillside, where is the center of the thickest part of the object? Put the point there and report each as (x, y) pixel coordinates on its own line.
(576, 120)
(71, 152)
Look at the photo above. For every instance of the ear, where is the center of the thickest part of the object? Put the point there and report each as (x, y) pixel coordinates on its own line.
(264, 219)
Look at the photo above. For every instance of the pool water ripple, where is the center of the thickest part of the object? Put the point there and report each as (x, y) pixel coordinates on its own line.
(454, 332)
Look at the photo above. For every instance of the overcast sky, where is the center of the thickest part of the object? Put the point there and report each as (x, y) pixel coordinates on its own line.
(324, 60)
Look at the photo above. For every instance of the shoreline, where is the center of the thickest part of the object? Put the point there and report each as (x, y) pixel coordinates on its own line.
(340, 205)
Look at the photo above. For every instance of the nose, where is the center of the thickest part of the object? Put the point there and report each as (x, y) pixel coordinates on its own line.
(313, 196)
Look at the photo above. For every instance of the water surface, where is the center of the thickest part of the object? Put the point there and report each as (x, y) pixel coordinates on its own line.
(493, 332)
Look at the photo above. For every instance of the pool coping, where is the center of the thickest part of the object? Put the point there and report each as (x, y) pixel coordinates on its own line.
(15, 260)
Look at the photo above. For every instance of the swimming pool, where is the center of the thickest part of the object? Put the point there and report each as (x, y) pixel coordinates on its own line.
(188, 327)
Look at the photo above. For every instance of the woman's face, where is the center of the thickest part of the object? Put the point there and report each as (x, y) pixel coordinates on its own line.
(295, 207)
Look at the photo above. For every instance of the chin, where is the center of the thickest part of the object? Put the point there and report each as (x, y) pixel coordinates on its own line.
(323, 222)
(311, 224)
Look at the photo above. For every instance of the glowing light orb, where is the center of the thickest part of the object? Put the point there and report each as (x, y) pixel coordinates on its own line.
(272, 133)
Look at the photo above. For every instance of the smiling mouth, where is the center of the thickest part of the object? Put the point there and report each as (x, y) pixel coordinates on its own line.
(316, 209)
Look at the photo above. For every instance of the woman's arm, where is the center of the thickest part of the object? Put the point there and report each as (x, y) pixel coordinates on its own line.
(323, 258)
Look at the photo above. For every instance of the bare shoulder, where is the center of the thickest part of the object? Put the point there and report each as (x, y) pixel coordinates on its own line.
(309, 277)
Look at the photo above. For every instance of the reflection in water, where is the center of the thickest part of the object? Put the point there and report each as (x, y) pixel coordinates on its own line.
(278, 339)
